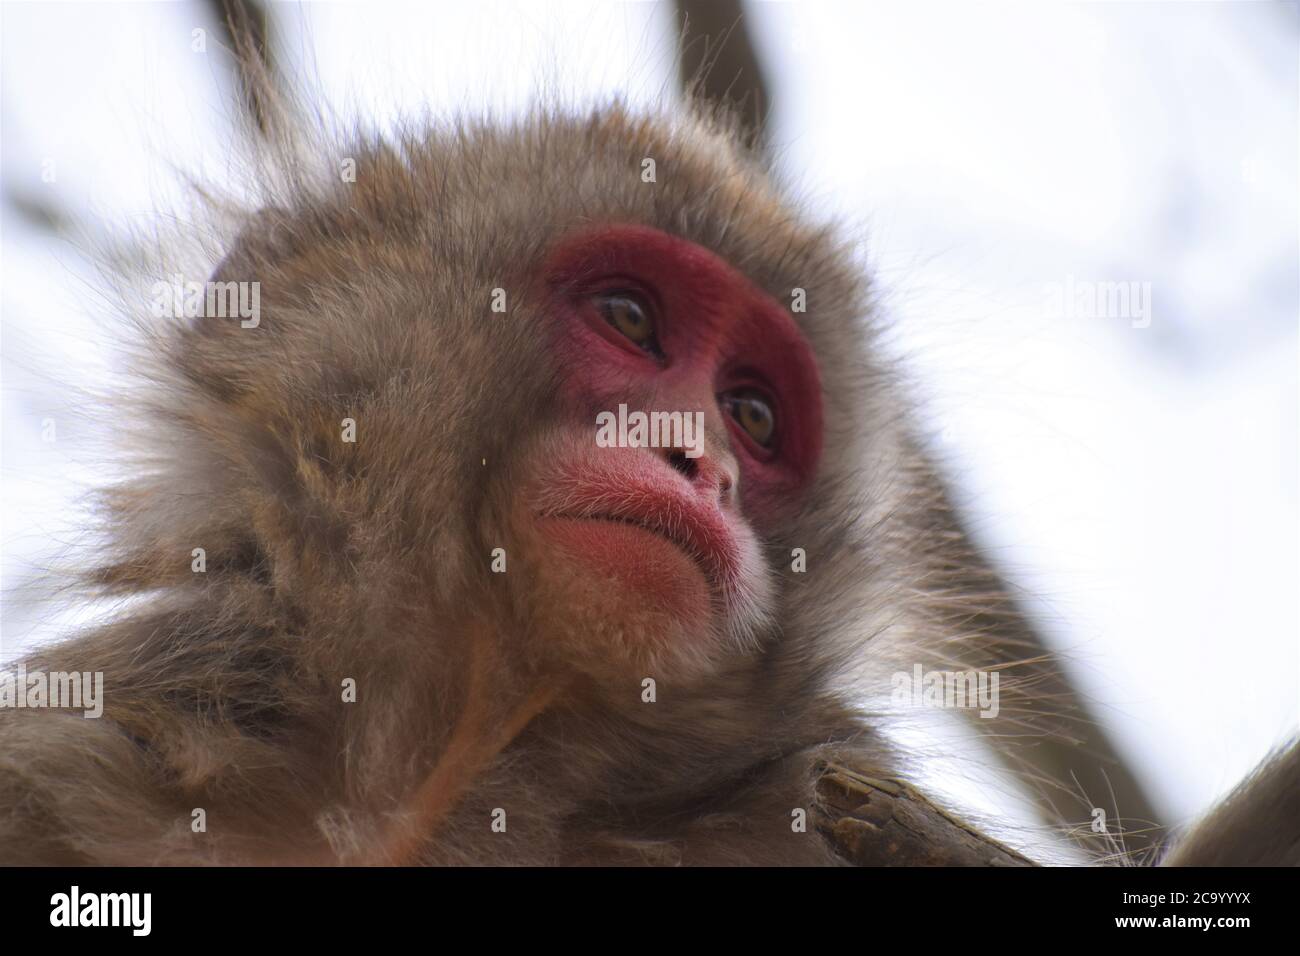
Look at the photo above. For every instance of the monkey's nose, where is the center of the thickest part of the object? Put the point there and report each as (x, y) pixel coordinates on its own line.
(706, 473)
(681, 464)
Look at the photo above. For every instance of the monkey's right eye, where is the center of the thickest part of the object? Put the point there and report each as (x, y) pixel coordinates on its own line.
(630, 315)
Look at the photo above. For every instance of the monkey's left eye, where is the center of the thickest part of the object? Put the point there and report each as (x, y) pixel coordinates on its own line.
(630, 315)
(753, 412)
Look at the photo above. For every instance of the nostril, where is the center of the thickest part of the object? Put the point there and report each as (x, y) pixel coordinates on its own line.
(686, 466)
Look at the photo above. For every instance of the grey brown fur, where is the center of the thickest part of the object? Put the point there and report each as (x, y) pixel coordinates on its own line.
(370, 560)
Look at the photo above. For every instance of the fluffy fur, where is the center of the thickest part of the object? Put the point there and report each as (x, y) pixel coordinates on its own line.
(370, 561)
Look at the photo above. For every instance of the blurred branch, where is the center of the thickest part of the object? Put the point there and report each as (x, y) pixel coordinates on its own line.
(247, 31)
(1058, 746)
(719, 64)
(37, 212)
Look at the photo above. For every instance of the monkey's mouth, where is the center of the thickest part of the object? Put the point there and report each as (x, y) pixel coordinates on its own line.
(628, 518)
(708, 561)
(618, 538)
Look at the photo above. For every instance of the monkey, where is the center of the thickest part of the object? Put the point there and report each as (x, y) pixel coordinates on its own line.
(387, 600)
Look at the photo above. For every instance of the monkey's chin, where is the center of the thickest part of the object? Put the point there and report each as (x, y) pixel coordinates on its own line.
(618, 601)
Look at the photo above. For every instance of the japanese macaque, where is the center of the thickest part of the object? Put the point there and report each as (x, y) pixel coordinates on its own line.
(554, 507)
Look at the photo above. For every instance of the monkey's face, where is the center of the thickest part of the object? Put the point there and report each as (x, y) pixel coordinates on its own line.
(690, 422)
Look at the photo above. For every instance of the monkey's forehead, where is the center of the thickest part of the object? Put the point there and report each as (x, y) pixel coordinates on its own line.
(474, 206)
(490, 199)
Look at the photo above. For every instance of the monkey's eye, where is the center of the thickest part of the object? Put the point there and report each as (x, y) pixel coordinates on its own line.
(753, 412)
(630, 315)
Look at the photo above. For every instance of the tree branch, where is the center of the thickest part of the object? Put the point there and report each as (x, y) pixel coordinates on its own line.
(874, 822)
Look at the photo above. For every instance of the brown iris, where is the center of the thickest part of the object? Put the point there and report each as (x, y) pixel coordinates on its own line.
(753, 412)
(629, 314)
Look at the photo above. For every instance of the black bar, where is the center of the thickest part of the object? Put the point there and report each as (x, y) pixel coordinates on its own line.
(440, 906)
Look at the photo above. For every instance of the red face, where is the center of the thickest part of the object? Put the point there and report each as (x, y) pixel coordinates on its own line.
(660, 542)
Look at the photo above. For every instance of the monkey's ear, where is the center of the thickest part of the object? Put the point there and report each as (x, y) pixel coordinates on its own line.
(265, 240)
(216, 349)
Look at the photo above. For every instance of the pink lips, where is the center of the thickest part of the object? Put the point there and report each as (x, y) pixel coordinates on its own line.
(636, 490)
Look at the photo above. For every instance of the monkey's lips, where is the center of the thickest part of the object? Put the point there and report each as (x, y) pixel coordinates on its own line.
(656, 540)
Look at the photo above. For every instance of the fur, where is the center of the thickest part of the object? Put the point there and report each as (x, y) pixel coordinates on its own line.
(370, 560)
